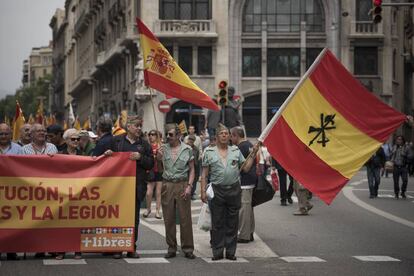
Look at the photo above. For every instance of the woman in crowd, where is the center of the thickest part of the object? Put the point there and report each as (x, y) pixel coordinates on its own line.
(155, 176)
(71, 137)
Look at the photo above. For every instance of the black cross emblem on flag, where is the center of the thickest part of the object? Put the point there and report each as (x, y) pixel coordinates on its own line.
(327, 123)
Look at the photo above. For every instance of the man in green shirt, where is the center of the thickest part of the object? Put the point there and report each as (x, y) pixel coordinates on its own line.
(178, 176)
(223, 164)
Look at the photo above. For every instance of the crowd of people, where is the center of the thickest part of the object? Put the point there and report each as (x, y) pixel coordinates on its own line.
(169, 166)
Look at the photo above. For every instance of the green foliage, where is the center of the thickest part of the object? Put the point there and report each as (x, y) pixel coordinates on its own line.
(28, 99)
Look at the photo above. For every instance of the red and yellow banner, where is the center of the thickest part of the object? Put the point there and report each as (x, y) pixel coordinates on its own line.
(328, 128)
(67, 203)
(161, 72)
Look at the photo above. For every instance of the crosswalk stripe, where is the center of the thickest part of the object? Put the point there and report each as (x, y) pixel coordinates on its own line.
(64, 262)
(149, 252)
(385, 196)
(239, 260)
(376, 259)
(147, 261)
(302, 259)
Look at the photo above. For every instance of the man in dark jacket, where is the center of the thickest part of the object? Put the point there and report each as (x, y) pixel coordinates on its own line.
(374, 165)
(141, 151)
(248, 182)
(104, 130)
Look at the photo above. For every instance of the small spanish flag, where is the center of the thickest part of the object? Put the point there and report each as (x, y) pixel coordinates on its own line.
(18, 122)
(161, 72)
(87, 124)
(77, 124)
(328, 128)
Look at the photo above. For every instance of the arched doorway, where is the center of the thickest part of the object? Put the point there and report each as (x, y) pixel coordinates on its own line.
(190, 113)
(252, 110)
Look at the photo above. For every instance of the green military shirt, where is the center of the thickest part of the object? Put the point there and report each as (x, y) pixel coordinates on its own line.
(220, 174)
(177, 170)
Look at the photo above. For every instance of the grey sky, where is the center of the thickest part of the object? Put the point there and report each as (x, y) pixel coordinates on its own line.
(23, 24)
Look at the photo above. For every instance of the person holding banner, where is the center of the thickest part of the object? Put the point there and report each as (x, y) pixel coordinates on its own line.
(141, 152)
(39, 146)
(8, 147)
(178, 177)
(223, 163)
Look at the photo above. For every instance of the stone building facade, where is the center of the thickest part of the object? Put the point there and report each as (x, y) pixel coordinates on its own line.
(261, 47)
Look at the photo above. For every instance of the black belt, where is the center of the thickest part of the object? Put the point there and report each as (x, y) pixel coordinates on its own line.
(176, 180)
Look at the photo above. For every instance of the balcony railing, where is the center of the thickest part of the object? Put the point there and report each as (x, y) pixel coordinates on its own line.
(185, 28)
(366, 28)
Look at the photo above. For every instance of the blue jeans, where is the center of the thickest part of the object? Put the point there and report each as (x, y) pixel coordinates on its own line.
(373, 180)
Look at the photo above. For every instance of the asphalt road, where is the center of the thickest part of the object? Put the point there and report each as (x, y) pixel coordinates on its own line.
(334, 240)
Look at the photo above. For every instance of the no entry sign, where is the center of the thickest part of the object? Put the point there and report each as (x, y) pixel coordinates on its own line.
(164, 106)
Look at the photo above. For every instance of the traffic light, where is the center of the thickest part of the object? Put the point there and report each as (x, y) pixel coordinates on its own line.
(222, 98)
(376, 11)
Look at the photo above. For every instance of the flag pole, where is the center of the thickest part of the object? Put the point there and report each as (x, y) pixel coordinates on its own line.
(292, 94)
(153, 109)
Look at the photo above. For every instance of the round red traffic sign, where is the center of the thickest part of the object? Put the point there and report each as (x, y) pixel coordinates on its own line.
(164, 106)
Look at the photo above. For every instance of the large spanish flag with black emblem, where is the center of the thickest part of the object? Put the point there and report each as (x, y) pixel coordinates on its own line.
(161, 72)
(328, 128)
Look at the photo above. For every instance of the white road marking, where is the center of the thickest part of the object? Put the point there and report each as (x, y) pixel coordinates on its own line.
(385, 196)
(302, 259)
(149, 252)
(65, 262)
(147, 261)
(376, 259)
(348, 192)
(239, 260)
(356, 183)
(257, 248)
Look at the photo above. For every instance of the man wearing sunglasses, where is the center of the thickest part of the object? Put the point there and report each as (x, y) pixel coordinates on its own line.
(141, 152)
(178, 177)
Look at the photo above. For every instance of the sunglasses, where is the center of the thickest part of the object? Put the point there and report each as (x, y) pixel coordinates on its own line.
(4, 133)
(152, 134)
(75, 139)
(170, 134)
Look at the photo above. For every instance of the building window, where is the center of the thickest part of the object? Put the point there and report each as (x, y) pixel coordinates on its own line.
(366, 61)
(283, 15)
(362, 10)
(204, 61)
(311, 55)
(283, 62)
(251, 62)
(185, 9)
(185, 59)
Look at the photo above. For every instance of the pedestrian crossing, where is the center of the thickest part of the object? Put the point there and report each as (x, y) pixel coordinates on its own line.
(257, 249)
(147, 259)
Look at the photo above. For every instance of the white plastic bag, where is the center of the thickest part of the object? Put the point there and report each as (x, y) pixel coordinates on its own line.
(204, 220)
(210, 191)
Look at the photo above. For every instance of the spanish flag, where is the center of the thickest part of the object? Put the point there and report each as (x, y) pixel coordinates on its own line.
(161, 72)
(39, 114)
(77, 124)
(87, 124)
(19, 121)
(328, 128)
